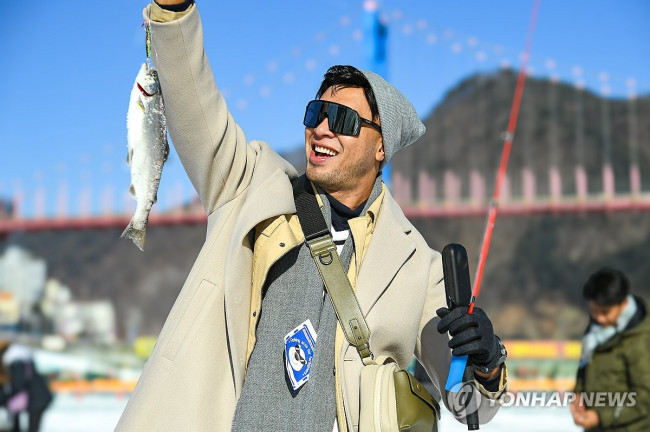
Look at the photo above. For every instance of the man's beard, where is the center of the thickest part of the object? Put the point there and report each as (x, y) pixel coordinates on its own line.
(345, 178)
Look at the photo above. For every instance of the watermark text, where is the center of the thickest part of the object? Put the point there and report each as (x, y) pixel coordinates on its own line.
(565, 399)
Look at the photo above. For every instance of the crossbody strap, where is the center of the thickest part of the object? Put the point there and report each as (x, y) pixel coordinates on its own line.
(323, 251)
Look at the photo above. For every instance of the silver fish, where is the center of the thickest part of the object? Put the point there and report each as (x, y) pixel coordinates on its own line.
(147, 149)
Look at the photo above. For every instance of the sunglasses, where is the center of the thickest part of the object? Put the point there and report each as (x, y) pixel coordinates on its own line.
(340, 118)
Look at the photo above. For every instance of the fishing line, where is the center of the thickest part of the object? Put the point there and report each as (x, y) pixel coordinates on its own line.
(155, 53)
(147, 41)
(505, 156)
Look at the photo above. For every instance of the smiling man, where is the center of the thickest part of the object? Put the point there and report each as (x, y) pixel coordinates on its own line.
(221, 362)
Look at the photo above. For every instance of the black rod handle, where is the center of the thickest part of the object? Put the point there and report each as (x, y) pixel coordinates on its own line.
(458, 292)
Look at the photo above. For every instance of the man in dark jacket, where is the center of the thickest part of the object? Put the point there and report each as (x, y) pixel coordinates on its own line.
(613, 383)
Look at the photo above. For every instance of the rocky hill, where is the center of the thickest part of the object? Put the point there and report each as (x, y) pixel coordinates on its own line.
(558, 126)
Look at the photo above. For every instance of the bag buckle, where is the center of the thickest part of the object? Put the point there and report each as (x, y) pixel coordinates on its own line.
(323, 249)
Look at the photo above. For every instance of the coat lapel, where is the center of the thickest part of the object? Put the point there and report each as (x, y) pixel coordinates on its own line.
(389, 248)
(269, 197)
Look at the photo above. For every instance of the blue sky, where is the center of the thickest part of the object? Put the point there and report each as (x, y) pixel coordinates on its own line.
(67, 69)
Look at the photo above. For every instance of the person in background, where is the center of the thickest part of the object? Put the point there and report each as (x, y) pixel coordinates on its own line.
(22, 381)
(615, 358)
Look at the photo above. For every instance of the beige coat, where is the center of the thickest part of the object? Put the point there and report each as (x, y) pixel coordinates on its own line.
(195, 374)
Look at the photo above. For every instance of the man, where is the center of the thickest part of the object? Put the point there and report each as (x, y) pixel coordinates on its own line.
(615, 358)
(220, 361)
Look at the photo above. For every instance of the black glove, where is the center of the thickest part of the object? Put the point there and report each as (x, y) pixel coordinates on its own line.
(472, 335)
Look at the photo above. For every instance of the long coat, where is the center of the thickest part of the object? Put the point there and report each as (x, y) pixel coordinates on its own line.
(194, 377)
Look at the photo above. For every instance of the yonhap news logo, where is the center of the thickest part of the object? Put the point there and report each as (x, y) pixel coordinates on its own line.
(468, 400)
(465, 401)
(565, 399)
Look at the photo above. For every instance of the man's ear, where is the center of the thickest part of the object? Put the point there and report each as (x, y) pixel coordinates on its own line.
(380, 155)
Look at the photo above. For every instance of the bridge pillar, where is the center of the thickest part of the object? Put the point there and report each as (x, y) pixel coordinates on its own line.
(529, 185)
(62, 201)
(506, 190)
(635, 180)
(39, 203)
(581, 183)
(426, 190)
(555, 184)
(452, 188)
(402, 189)
(608, 181)
(477, 188)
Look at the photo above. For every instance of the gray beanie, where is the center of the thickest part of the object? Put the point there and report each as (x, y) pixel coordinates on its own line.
(400, 124)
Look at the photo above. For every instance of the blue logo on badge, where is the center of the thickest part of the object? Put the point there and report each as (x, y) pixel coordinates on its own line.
(299, 353)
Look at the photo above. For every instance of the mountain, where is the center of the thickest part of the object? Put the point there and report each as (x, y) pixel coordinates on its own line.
(558, 126)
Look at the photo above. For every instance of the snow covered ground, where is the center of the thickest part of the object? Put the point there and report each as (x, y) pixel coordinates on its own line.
(89, 413)
(529, 419)
(100, 413)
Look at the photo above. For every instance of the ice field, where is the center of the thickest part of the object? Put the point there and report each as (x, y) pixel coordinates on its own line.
(100, 413)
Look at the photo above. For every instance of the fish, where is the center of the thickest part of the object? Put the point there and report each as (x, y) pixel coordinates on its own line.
(147, 149)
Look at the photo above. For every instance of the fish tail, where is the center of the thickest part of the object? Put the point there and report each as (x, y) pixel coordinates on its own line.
(137, 235)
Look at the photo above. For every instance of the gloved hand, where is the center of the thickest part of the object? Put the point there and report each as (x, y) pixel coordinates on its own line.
(472, 335)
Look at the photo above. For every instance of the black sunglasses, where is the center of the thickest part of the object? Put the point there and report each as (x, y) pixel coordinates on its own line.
(340, 118)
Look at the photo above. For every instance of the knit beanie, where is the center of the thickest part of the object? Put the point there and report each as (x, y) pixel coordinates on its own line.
(400, 124)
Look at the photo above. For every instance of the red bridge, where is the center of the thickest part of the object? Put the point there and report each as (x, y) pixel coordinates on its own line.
(424, 205)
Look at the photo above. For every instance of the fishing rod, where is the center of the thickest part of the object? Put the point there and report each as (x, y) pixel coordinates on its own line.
(456, 255)
(505, 156)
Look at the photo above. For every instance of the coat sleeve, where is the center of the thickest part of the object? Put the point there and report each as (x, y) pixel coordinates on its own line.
(434, 354)
(431, 347)
(580, 381)
(211, 146)
(635, 406)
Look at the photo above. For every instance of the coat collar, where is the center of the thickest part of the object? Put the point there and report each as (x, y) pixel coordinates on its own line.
(390, 247)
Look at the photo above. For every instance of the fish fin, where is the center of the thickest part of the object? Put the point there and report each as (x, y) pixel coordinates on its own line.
(132, 190)
(129, 156)
(138, 236)
(166, 154)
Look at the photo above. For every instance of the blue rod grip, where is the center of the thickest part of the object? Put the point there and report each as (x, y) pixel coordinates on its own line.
(456, 372)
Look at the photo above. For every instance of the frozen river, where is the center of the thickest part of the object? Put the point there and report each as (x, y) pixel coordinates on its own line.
(100, 413)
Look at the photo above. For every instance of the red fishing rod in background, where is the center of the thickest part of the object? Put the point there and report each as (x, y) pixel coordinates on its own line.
(454, 256)
(505, 156)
